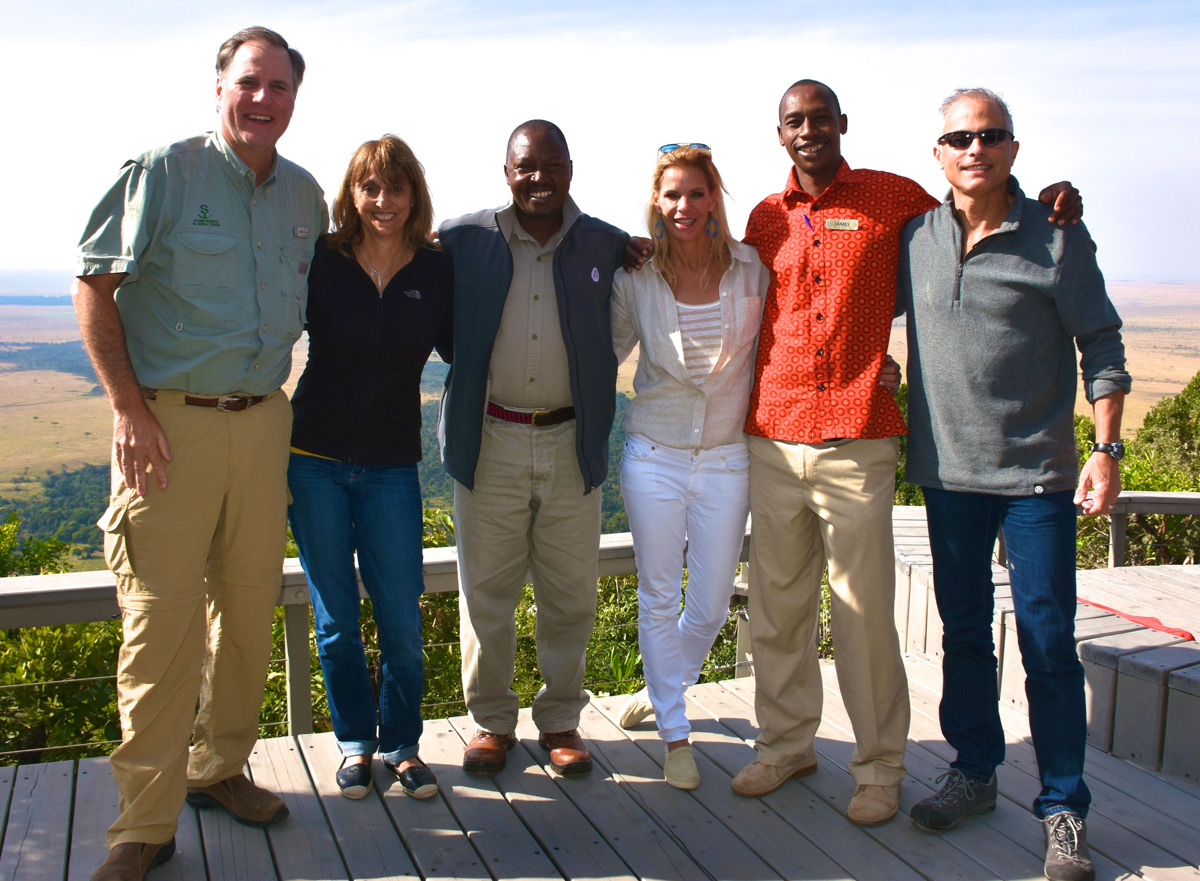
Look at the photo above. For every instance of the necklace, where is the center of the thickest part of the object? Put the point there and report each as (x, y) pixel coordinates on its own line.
(377, 274)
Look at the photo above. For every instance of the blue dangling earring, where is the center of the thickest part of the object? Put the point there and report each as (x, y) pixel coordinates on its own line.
(712, 227)
(659, 229)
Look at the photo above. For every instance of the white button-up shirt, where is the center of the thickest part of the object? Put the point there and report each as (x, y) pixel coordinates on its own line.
(668, 406)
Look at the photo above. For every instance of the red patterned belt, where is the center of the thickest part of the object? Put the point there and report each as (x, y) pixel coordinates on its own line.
(537, 418)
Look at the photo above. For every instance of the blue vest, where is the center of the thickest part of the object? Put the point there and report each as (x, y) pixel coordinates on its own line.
(590, 252)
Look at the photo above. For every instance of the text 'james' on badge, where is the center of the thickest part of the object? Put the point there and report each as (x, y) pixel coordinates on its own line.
(840, 223)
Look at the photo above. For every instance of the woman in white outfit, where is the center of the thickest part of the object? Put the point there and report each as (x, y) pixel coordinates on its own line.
(695, 309)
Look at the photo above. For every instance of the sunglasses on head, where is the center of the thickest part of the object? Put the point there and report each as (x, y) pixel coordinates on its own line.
(989, 137)
(671, 148)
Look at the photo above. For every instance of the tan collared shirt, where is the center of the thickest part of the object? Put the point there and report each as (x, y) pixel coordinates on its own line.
(529, 368)
(216, 265)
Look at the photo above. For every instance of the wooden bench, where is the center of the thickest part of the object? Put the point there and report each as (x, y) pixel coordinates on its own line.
(1142, 685)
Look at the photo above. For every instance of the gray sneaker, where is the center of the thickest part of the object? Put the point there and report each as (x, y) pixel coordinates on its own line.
(959, 796)
(1066, 848)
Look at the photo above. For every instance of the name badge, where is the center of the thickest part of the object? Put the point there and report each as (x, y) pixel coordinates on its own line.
(300, 232)
(840, 223)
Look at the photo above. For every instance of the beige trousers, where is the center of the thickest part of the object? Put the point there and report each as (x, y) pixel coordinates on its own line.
(811, 505)
(198, 572)
(527, 511)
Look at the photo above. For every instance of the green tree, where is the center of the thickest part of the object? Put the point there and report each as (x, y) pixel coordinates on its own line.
(31, 557)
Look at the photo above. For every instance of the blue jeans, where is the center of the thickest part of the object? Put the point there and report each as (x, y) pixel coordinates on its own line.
(1039, 535)
(338, 508)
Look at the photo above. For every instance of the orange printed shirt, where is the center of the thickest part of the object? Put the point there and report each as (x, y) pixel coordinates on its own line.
(830, 305)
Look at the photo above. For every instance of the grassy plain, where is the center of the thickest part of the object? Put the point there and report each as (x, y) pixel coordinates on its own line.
(1162, 344)
(50, 420)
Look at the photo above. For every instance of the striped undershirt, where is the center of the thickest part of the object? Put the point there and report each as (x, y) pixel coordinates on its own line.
(700, 328)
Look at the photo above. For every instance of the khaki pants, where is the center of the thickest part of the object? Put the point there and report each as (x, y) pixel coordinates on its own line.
(198, 572)
(527, 511)
(812, 504)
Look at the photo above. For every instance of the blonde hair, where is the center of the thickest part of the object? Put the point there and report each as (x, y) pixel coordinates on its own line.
(718, 245)
(393, 160)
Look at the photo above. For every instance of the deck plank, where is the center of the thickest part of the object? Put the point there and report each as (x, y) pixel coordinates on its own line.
(792, 856)
(1134, 848)
(35, 832)
(369, 844)
(432, 834)
(802, 804)
(834, 784)
(688, 823)
(645, 848)
(502, 844)
(549, 806)
(622, 821)
(95, 809)
(303, 846)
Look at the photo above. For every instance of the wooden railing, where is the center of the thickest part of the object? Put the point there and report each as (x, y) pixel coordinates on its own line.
(39, 600)
(1143, 503)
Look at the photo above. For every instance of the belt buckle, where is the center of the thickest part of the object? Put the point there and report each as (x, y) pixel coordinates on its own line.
(231, 403)
(536, 416)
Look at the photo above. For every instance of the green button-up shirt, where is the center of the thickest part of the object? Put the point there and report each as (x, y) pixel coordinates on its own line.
(217, 265)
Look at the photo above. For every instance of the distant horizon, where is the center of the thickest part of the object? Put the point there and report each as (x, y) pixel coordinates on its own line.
(57, 283)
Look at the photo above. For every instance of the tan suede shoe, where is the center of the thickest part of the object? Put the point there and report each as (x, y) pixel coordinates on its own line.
(758, 779)
(250, 805)
(680, 769)
(874, 804)
(132, 860)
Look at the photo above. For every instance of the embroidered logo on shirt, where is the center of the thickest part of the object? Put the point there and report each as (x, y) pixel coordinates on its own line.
(595, 274)
(300, 232)
(205, 218)
(415, 295)
(840, 223)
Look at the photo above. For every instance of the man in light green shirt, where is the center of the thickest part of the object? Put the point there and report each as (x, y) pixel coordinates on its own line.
(191, 290)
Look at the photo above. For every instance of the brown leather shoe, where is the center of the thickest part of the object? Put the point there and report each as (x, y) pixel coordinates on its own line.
(569, 755)
(250, 805)
(132, 860)
(487, 753)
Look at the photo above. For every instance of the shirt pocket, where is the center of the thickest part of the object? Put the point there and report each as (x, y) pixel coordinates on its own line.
(211, 304)
(293, 300)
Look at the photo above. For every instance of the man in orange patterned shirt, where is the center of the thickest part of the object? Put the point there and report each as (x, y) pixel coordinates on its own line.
(823, 438)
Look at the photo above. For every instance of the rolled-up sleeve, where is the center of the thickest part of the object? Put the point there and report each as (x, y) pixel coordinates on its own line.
(117, 232)
(1089, 316)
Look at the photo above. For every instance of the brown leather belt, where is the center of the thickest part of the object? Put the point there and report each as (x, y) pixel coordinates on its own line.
(228, 403)
(538, 418)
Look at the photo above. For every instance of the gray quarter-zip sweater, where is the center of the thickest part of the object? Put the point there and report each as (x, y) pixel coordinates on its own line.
(991, 341)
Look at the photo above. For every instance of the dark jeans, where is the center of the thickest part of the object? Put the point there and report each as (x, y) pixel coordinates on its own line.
(1039, 535)
(336, 509)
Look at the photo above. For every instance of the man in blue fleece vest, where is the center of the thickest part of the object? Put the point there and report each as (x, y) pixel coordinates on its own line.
(998, 301)
(528, 407)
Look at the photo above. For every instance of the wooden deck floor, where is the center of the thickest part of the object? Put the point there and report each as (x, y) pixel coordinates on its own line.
(622, 821)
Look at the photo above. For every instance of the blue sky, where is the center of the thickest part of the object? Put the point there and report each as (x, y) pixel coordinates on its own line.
(1105, 94)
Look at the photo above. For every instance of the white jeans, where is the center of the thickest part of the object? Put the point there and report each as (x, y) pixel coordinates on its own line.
(676, 499)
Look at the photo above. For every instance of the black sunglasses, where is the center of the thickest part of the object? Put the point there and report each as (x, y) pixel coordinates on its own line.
(989, 137)
(671, 148)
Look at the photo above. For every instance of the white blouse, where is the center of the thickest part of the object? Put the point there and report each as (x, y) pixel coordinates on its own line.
(670, 407)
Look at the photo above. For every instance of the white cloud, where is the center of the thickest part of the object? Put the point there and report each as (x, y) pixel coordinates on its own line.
(1102, 97)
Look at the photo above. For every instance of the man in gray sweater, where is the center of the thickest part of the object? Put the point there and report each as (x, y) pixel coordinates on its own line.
(998, 300)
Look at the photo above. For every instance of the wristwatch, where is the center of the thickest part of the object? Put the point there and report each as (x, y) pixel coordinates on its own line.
(1117, 450)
